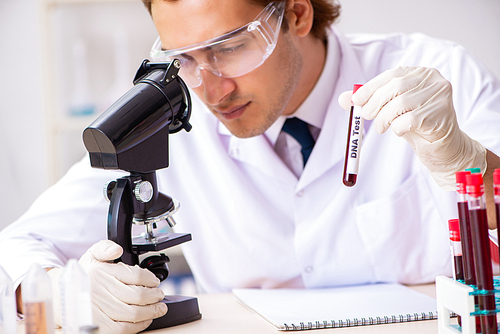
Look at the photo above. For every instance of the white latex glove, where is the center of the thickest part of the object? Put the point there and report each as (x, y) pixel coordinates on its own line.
(416, 102)
(125, 299)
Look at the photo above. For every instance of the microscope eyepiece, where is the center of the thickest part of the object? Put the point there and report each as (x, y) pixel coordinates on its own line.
(132, 134)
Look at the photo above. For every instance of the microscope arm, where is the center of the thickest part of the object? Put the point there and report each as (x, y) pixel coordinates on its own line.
(120, 220)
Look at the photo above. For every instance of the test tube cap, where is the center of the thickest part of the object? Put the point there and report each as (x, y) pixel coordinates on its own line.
(475, 184)
(355, 88)
(454, 225)
(474, 170)
(461, 180)
(496, 176)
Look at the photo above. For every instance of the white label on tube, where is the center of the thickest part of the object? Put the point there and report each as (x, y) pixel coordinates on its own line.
(355, 137)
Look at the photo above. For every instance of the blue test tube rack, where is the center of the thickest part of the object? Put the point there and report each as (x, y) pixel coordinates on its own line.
(456, 297)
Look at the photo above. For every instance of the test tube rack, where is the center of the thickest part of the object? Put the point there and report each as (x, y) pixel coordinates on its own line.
(458, 298)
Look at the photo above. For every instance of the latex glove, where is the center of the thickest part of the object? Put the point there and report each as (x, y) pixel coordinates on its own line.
(416, 102)
(125, 299)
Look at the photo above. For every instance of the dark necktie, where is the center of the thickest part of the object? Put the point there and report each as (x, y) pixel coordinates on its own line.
(299, 130)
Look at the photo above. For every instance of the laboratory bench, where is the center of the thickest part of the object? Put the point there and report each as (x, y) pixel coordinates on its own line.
(222, 313)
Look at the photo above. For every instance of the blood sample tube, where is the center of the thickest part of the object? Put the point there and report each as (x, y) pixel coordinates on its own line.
(353, 145)
(481, 249)
(465, 233)
(456, 249)
(456, 253)
(496, 187)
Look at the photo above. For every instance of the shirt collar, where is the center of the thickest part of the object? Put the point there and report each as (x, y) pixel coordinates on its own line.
(315, 106)
(313, 109)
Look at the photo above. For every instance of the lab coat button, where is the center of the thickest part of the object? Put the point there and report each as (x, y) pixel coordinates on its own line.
(300, 193)
(309, 269)
(235, 152)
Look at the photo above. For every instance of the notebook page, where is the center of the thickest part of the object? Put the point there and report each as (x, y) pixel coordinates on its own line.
(346, 306)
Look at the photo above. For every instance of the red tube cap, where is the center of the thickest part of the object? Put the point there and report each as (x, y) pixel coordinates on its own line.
(454, 228)
(461, 181)
(496, 176)
(454, 225)
(475, 184)
(355, 88)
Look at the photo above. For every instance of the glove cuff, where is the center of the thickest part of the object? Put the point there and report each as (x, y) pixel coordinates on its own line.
(471, 154)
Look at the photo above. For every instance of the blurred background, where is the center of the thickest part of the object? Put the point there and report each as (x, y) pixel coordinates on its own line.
(62, 62)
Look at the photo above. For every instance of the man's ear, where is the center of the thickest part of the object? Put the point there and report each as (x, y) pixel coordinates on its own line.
(300, 15)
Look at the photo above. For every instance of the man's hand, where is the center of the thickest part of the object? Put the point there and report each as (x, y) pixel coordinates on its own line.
(416, 103)
(125, 299)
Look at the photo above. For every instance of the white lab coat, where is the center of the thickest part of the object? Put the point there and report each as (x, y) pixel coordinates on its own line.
(254, 224)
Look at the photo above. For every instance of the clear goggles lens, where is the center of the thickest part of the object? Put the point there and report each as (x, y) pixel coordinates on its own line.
(231, 55)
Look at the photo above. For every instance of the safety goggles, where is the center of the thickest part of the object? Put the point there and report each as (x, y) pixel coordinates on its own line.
(230, 55)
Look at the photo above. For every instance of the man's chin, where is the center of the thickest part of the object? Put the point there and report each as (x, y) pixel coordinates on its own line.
(245, 131)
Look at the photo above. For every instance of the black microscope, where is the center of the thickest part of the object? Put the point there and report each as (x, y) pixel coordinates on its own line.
(132, 135)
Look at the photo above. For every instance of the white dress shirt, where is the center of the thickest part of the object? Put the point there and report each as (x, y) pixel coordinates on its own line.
(312, 111)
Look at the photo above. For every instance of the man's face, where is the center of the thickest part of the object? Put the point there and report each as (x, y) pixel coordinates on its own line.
(247, 105)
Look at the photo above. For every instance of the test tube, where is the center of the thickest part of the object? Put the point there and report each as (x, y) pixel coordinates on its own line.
(353, 145)
(456, 253)
(37, 301)
(7, 304)
(481, 249)
(496, 188)
(456, 249)
(75, 298)
(465, 233)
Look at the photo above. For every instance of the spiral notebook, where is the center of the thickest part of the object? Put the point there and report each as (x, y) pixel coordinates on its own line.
(301, 309)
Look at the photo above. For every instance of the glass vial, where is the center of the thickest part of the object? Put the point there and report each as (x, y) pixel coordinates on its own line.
(8, 313)
(37, 301)
(75, 298)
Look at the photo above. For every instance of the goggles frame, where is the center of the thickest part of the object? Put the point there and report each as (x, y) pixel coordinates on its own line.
(263, 31)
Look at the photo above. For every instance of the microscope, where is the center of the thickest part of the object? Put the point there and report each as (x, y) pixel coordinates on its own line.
(132, 135)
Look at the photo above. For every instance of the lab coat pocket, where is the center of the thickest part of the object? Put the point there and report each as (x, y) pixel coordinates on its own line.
(404, 234)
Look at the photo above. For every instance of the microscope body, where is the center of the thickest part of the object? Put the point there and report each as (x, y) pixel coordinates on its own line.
(132, 135)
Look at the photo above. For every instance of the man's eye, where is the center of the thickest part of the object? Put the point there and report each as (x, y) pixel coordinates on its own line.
(231, 50)
(184, 57)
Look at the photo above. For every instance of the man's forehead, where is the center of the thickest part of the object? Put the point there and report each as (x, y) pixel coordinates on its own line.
(185, 22)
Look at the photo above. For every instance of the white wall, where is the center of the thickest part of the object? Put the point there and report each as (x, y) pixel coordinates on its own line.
(21, 131)
(475, 24)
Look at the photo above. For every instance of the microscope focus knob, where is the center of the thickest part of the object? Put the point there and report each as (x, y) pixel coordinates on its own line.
(108, 190)
(157, 264)
(143, 191)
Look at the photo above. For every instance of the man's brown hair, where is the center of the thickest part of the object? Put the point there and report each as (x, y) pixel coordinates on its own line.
(325, 14)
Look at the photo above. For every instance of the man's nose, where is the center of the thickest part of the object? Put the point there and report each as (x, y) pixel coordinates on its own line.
(215, 88)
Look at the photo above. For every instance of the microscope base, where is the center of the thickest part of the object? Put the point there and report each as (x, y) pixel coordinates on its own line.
(181, 309)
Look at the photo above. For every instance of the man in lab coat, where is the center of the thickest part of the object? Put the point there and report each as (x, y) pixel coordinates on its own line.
(260, 216)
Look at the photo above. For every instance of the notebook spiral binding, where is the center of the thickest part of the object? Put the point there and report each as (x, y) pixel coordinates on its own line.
(361, 322)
